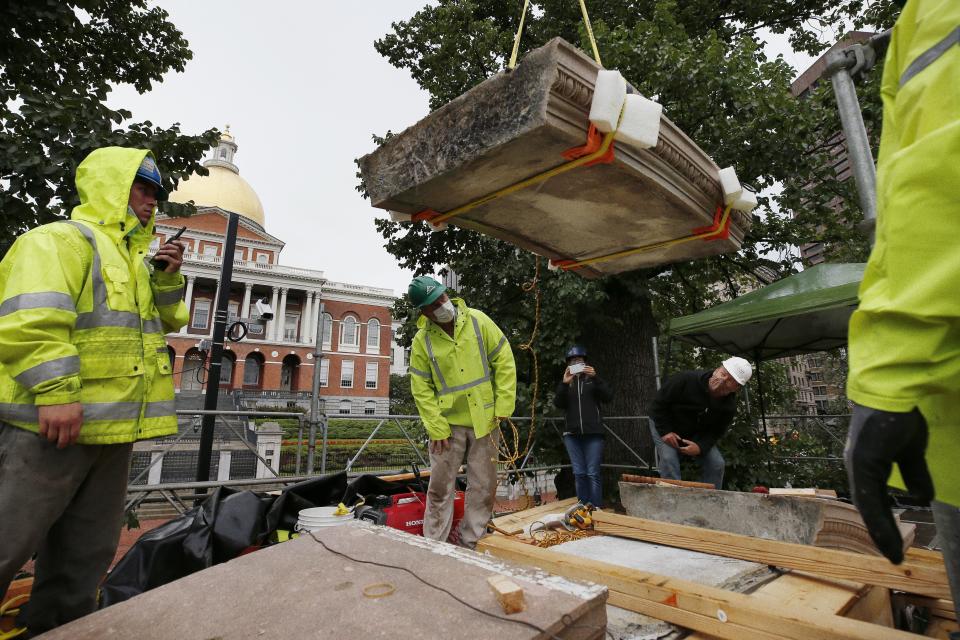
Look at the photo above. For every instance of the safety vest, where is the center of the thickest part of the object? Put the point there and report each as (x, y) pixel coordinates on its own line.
(905, 335)
(82, 319)
(468, 379)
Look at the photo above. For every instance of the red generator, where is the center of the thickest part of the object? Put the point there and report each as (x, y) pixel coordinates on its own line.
(404, 511)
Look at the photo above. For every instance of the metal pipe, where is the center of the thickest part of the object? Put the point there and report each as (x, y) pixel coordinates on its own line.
(216, 351)
(656, 363)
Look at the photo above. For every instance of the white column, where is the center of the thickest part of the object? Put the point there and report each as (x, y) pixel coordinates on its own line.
(282, 314)
(188, 297)
(156, 471)
(317, 317)
(305, 318)
(213, 309)
(223, 471)
(245, 307)
(276, 314)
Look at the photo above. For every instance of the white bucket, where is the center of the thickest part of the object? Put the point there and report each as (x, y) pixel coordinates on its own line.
(319, 518)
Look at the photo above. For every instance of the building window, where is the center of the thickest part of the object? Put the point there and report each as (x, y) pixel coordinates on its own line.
(251, 371)
(406, 357)
(209, 249)
(290, 325)
(233, 311)
(369, 407)
(263, 258)
(373, 335)
(226, 370)
(238, 254)
(201, 314)
(346, 374)
(344, 407)
(324, 372)
(327, 330)
(372, 375)
(349, 333)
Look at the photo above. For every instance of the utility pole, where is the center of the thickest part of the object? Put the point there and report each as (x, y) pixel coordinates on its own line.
(216, 352)
(315, 401)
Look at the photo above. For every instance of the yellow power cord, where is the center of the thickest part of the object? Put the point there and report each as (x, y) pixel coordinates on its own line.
(11, 608)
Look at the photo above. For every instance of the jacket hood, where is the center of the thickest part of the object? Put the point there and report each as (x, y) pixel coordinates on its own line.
(103, 183)
(457, 302)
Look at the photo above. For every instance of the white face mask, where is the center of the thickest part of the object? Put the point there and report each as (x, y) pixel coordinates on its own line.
(445, 313)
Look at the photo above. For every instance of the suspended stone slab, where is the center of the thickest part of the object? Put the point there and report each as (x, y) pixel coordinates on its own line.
(299, 589)
(517, 125)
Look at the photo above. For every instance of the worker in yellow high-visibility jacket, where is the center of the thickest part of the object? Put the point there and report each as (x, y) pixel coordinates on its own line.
(905, 335)
(464, 381)
(84, 372)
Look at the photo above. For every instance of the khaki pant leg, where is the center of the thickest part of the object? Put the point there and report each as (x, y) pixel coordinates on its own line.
(481, 488)
(80, 546)
(438, 516)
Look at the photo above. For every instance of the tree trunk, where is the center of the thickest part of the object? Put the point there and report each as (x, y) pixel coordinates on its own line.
(620, 347)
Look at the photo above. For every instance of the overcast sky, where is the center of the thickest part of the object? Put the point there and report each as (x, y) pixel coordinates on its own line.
(302, 89)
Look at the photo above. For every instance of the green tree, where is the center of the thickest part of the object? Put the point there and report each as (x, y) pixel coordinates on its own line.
(704, 62)
(401, 399)
(58, 61)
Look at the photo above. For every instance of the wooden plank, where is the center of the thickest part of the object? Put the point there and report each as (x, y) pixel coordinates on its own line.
(925, 579)
(919, 554)
(804, 492)
(514, 523)
(874, 607)
(810, 593)
(941, 628)
(626, 477)
(689, 604)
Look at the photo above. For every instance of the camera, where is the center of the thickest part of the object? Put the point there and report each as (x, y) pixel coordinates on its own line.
(264, 311)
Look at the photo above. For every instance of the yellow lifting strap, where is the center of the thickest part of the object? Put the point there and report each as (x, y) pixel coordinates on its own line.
(586, 22)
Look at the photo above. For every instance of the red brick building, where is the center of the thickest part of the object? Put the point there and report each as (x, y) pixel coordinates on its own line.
(274, 363)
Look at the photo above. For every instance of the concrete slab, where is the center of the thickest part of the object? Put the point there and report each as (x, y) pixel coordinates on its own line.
(517, 125)
(813, 521)
(299, 589)
(714, 571)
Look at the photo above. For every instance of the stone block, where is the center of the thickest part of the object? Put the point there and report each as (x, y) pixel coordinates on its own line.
(518, 124)
(299, 589)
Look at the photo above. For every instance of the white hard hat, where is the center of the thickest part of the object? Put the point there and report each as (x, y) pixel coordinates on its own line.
(739, 368)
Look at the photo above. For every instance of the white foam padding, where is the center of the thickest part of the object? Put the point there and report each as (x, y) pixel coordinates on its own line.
(640, 124)
(732, 190)
(747, 201)
(609, 93)
(396, 216)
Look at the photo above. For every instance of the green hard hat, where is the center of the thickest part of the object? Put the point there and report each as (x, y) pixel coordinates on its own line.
(424, 290)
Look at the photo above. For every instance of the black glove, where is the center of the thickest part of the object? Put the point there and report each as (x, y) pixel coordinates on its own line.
(876, 440)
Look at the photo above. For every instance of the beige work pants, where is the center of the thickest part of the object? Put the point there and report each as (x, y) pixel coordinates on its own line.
(481, 486)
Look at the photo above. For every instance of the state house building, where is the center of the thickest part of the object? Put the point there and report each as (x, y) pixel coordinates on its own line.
(274, 364)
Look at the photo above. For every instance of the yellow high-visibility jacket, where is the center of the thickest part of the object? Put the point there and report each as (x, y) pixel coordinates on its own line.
(82, 319)
(905, 335)
(466, 380)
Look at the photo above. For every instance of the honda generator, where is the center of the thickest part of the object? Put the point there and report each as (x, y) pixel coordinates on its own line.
(404, 511)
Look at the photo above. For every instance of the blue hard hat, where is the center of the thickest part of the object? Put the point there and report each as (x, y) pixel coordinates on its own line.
(148, 171)
(576, 351)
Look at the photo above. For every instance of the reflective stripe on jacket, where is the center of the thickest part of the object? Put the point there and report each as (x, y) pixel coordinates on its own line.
(466, 380)
(905, 335)
(82, 319)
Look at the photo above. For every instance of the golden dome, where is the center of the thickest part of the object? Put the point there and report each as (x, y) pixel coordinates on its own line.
(223, 188)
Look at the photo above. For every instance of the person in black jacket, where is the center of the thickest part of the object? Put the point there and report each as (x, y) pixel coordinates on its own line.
(580, 393)
(691, 412)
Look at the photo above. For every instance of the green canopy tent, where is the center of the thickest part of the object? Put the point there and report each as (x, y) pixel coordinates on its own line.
(802, 313)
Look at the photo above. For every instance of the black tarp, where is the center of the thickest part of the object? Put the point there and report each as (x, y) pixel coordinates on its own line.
(228, 522)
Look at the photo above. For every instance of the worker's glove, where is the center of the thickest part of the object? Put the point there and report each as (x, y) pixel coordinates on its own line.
(876, 440)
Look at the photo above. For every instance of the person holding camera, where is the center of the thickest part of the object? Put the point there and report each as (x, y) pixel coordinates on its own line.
(692, 411)
(84, 372)
(580, 393)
